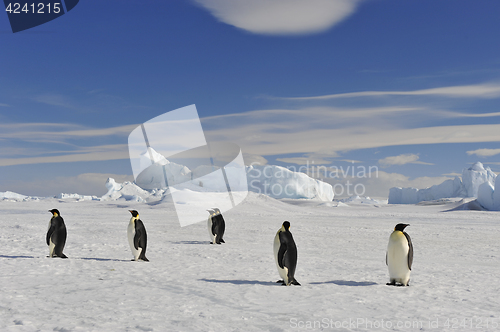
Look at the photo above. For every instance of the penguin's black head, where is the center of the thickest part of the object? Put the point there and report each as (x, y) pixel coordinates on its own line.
(134, 213)
(401, 227)
(286, 225)
(55, 212)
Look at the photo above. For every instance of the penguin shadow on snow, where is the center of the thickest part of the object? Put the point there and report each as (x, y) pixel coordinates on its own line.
(104, 259)
(346, 283)
(241, 282)
(15, 257)
(191, 242)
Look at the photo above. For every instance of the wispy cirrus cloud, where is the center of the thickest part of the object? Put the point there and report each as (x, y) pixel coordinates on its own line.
(281, 17)
(54, 99)
(402, 121)
(308, 130)
(57, 132)
(484, 91)
(484, 152)
(96, 153)
(39, 143)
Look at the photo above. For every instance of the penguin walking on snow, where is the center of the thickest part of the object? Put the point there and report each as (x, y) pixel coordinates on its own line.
(56, 235)
(137, 237)
(285, 254)
(399, 256)
(216, 226)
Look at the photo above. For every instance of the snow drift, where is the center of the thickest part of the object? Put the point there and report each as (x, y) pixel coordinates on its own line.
(477, 181)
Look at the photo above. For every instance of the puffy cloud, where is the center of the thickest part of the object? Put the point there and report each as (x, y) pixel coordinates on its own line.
(281, 17)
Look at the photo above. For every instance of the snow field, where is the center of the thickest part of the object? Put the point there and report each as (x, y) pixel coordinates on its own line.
(189, 285)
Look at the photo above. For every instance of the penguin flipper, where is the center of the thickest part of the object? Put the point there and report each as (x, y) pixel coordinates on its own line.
(214, 225)
(410, 250)
(140, 235)
(51, 230)
(137, 238)
(282, 250)
(281, 255)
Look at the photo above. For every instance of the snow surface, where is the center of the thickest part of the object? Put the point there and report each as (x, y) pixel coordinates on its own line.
(189, 285)
(472, 178)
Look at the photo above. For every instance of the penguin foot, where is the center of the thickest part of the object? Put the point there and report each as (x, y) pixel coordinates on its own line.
(295, 282)
(144, 259)
(222, 241)
(282, 282)
(63, 256)
(392, 283)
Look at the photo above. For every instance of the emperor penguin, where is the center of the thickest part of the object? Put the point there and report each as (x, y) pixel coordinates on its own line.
(399, 256)
(137, 237)
(56, 235)
(285, 255)
(216, 226)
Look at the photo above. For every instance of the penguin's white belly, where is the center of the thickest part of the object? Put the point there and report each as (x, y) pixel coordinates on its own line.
(397, 258)
(131, 235)
(51, 247)
(283, 272)
(209, 225)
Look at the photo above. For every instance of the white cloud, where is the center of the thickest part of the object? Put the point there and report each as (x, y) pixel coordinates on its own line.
(55, 99)
(57, 132)
(304, 161)
(60, 134)
(315, 129)
(93, 153)
(254, 159)
(402, 159)
(484, 152)
(281, 17)
(459, 91)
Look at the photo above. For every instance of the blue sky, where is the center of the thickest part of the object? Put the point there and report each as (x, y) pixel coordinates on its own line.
(411, 87)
